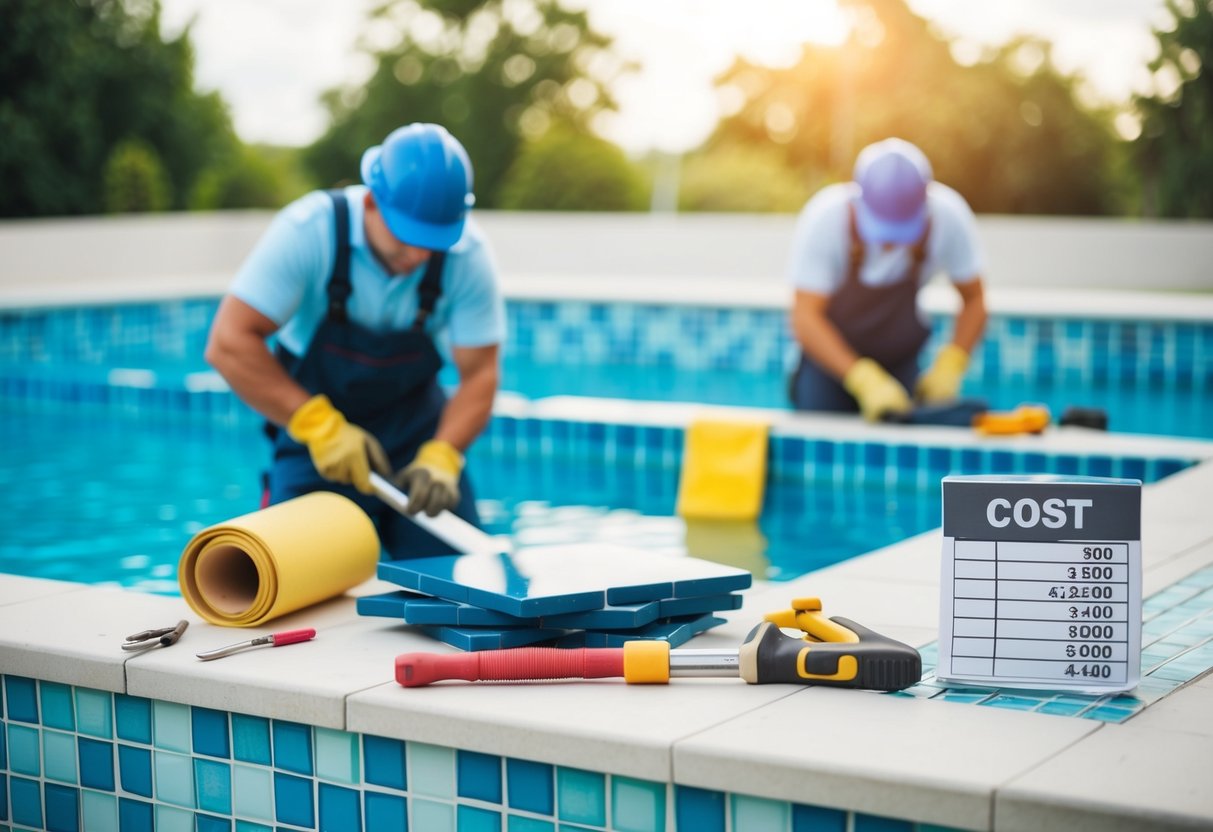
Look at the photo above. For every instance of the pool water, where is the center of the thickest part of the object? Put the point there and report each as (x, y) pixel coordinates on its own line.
(113, 499)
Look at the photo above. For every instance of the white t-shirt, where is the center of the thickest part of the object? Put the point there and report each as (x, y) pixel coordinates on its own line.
(821, 248)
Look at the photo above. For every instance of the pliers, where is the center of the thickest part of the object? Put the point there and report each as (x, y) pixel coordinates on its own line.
(162, 637)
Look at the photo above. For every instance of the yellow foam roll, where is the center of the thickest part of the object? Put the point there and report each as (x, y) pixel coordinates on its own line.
(266, 564)
(724, 470)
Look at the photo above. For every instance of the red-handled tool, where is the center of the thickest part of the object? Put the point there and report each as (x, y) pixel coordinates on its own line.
(274, 640)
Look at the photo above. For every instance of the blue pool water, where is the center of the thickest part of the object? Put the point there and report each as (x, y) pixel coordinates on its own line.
(114, 499)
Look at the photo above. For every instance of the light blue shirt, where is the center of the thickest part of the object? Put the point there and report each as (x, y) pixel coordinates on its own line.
(821, 248)
(286, 275)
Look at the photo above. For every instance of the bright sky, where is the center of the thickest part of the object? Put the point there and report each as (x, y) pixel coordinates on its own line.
(271, 59)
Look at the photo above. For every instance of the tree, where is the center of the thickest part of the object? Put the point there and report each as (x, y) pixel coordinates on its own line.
(135, 180)
(78, 79)
(1007, 132)
(493, 72)
(248, 179)
(741, 178)
(570, 171)
(1175, 147)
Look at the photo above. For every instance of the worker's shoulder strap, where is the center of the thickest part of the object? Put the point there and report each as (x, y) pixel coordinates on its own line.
(339, 286)
(918, 251)
(430, 289)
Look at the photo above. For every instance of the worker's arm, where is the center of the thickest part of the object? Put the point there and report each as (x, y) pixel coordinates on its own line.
(942, 380)
(470, 407)
(237, 349)
(971, 319)
(817, 335)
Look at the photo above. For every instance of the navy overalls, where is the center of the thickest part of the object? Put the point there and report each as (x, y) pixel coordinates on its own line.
(879, 322)
(385, 383)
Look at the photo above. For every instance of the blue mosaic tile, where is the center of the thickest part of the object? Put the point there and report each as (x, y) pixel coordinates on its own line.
(529, 786)
(59, 756)
(474, 819)
(339, 808)
(135, 769)
(210, 823)
(25, 802)
(96, 763)
(100, 811)
(293, 801)
(174, 778)
(292, 746)
(637, 805)
(209, 729)
(817, 819)
(21, 695)
(874, 823)
(581, 796)
(62, 808)
(251, 739)
(213, 784)
(384, 761)
(252, 792)
(171, 726)
(479, 776)
(699, 809)
(431, 770)
(57, 710)
(24, 750)
(95, 713)
(3, 748)
(759, 814)
(519, 823)
(337, 756)
(134, 815)
(133, 716)
(432, 816)
(385, 811)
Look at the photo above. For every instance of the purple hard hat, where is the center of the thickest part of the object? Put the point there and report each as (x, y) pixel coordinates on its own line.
(892, 176)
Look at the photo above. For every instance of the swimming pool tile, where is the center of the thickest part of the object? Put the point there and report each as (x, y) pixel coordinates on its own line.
(210, 823)
(209, 728)
(479, 776)
(337, 756)
(133, 717)
(637, 805)
(758, 814)
(699, 809)
(99, 810)
(57, 710)
(475, 819)
(875, 823)
(135, 769)
(433, 816)
(59, 756)
(174, 778)
(171, 819)
(96, 763)
(251, 739)
(213, 782)
(339, 809)
(20, 695)
(252, 792)
(25, 802)
(384, 761)
(292, 746)
(529, 786)
(519, 823)
(24, 750)
(431, 770)
(95, 713)
(581, 796)
(135, 815)
(293, 800)
(817, 819)
(171, 726)
(385, 811)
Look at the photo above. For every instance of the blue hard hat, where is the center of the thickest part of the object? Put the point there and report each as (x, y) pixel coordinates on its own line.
(421, 179)
(892, 208)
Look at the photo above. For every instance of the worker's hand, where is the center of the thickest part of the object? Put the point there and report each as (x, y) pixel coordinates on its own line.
(877, 392)
(432, 479)
(340, 451)
(942, 381)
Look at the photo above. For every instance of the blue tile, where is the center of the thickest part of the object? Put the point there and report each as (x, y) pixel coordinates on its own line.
(134, 815)
(699, 809)
(3, 796)
(57, 710)
(95, 713)
(62, 808)
(473, 819)
(59, 756)
(292, 746)
(339, 809)
(213, 783)
(25, 799)
(251, 739)
(383, 761)
(24, 750)
(529, 786)
(133, 715)
(96, 763)
(3, 745)
(210, 823)
(293, 800)
(817, 819)
(637, 805)
(210, 732)
(22, 698)
(479, 776)
(135, 769)
(582, 796)
(519, 823)
(385, 811)
(874, 823)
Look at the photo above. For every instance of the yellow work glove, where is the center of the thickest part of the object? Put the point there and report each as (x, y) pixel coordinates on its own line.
(340, 451)
(432, 479)
(876, 391)
(941, 382)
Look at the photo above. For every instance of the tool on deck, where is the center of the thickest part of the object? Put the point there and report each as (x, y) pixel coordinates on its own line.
(161, 637)
(1027, 418)
(274, 640)
(450, 528)
(835, 652)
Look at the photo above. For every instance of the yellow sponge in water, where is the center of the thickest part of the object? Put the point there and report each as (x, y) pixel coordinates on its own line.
(724, 470)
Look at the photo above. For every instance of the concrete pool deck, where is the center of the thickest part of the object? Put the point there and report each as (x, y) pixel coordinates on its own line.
(931, 762)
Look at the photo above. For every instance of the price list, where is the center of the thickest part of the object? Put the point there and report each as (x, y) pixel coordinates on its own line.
(1041, 613)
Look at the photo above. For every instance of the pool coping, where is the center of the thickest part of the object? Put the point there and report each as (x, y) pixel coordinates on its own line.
(931, 762)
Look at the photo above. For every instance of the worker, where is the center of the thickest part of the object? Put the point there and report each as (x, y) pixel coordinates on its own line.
(358, 284)
(862, 250)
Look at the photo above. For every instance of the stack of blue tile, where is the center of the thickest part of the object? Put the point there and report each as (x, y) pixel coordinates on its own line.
(577, 595)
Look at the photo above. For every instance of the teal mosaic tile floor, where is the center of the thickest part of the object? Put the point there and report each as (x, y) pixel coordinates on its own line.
(1177, 647)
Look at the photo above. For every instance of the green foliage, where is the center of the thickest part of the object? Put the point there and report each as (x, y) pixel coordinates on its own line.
(135, 181)
(740, 178)
(570, 171)
(1176, 143)
(1007, 132)
(493, 72)
(79, 78)
(250, 178)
